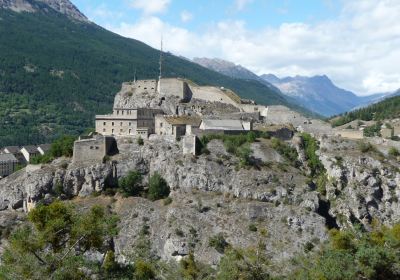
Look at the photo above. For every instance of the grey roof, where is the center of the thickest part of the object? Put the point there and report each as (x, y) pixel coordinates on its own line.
(31, 149)
(12, 149)
(222, 124)
(45, 147)
(7, 158)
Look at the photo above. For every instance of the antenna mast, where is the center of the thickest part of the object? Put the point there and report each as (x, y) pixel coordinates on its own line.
(161, 58)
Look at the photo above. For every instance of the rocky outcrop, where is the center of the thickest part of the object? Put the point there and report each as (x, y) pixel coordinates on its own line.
(33, 186)
(362, 186)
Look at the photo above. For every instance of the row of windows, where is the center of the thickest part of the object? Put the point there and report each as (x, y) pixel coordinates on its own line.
(139, 123)
(121, 131)
(112, 123)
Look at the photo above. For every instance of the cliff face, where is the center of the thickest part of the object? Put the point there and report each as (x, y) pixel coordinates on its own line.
(210, 195)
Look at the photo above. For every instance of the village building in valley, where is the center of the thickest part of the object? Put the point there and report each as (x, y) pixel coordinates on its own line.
(8, 164)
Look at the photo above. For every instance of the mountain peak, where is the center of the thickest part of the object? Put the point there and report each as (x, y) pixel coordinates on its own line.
(64, 7)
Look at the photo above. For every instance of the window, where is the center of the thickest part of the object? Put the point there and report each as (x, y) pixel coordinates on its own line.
(104, 123)
(104, 130)
(130, 131)
(120, 130)
(112, 123)
(120, 123)
(112, 131)
(161, 124)
(130, 124)
(122, 112)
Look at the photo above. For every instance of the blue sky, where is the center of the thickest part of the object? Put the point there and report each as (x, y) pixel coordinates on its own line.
(354, 42)
(257, 14)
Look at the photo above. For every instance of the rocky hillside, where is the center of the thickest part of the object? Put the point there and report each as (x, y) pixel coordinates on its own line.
(292, 191)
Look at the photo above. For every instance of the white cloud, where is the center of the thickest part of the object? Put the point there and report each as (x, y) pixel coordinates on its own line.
(150, 7)
(359, 50)
(186, 16)
(241, 4)
(104, 12)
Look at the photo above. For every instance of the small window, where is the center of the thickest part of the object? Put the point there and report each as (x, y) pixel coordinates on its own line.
(130, 124)
(120, 123)
(130, 131)
(122, 112)
(120, 130)
(112, 131)
(112, 123)
(117, 112)
(104, 130)
(161, 124)
(104, 123)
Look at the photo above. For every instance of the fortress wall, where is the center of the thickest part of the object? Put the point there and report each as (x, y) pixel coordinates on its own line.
(350, 134)
(94, 149)
(89, 150)
(173, 87)
(250, 108)
(211, 94)
(282, 115)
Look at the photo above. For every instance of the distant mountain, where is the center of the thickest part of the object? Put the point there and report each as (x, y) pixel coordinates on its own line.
(64, 7)
(227, 68)
(317, 93)
(57, 70)
(231, 70)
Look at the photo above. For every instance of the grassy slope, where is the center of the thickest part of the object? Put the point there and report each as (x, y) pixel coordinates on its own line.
(37, 106)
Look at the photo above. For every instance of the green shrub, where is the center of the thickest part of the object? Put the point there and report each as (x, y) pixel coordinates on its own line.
(167, 201)
(158, 187)
(285, 150)
(393, 152)
(218, 242)
(253, 227)
(140, 141)
(144, 270)
(244, 154)
(63, 146)
(366, 147)
(130, 185)
(310, 148)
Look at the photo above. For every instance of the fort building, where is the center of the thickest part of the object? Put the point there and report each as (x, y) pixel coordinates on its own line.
(8, 164)
(127, 122)
(95, 148)
(176, 126)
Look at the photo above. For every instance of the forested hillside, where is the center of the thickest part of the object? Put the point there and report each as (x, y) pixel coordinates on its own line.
(387, 109)
(56, 74)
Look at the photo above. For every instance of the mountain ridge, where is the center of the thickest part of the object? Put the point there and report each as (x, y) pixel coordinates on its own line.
(316, 93)
(64, 7)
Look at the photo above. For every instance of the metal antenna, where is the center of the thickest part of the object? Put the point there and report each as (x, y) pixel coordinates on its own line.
(161, 58)
(134, 77)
